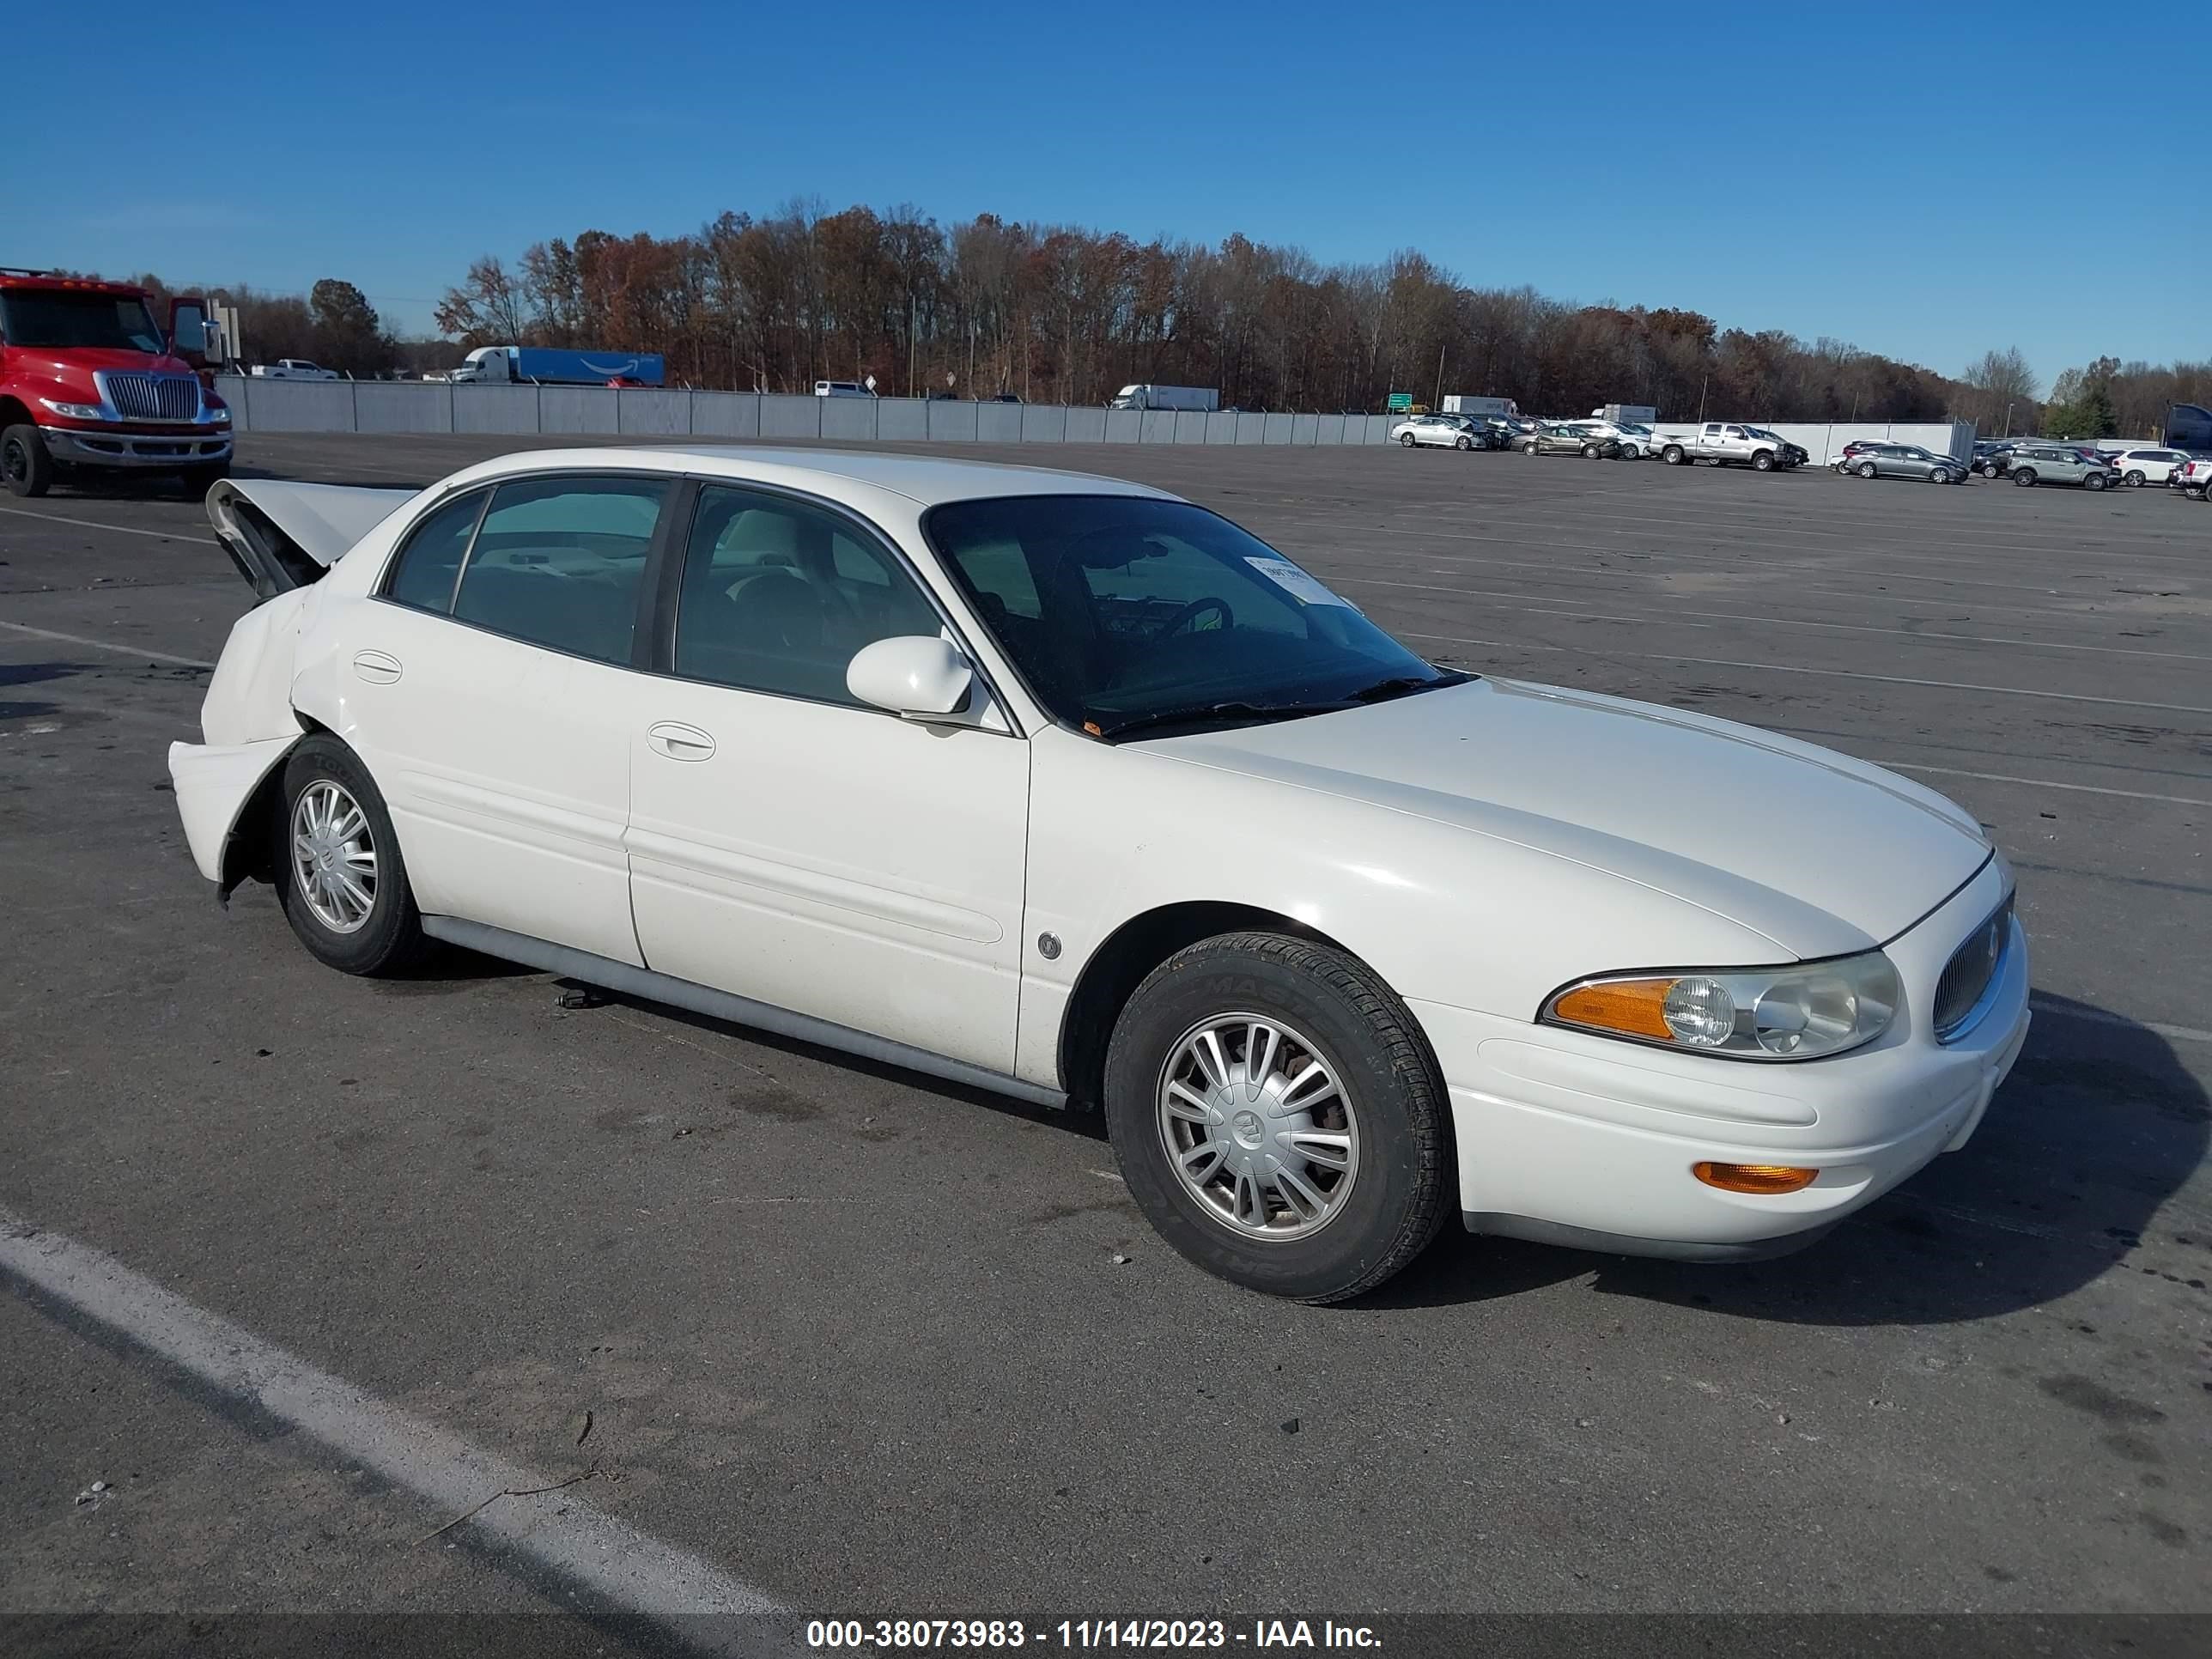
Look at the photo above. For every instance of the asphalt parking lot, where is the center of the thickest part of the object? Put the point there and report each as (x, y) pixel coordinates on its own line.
(874, 1347)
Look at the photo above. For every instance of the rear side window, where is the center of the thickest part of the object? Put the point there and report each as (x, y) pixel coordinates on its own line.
(430, 560)
(559, 563)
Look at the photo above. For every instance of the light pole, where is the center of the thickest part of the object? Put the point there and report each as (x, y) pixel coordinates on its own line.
(2008, 431)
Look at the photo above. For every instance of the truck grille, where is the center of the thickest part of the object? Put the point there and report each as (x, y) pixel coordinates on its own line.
(152, 396)
(1968, 974)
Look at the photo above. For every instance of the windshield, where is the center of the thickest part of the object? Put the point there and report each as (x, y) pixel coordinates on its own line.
(62, 320)
(1120, 609)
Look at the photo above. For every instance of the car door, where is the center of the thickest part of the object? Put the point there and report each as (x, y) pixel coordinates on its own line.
(790, 844)
(481, 692)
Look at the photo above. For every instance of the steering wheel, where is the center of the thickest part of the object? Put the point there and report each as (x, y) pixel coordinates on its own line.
(1196, 608)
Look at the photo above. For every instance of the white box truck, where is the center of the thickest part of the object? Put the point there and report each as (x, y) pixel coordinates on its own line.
(1632, 414)
(1147, 396)
(1456, 404)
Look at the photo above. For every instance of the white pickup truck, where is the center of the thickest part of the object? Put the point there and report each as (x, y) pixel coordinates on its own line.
(294, 369)
(1724, 443)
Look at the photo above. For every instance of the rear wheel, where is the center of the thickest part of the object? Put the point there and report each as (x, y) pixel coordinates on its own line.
(339, 874)
(25, 466)
(1278, 1116)
(1672, 454)
(1528, 448)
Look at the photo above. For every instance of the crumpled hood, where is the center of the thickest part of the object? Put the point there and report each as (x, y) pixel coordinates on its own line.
(1821, 852)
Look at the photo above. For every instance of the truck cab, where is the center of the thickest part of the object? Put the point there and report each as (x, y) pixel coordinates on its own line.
(90, 382)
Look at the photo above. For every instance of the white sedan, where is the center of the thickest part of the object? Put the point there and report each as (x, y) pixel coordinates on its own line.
(1450, 431)
(1064, 786)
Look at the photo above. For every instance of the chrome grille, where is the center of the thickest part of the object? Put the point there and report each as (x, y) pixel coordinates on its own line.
(152, 396)
(1968, 974)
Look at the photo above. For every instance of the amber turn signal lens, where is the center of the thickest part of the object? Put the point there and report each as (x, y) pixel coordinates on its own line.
(1635, 1007)
(1763, 1178)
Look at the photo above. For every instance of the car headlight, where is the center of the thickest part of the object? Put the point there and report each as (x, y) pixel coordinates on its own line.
(1801, 1012)
(219, 413)
(75, 412)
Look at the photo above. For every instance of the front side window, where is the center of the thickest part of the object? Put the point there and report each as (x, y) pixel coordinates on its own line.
(778, 596)
(80, 319)
(1123, 611)
(429, 562)
(559, 563)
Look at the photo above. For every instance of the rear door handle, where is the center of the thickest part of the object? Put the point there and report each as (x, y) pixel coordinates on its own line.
(679, 742)
(377, 667)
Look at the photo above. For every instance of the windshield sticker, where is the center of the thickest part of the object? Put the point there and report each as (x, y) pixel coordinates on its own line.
(1295, 583)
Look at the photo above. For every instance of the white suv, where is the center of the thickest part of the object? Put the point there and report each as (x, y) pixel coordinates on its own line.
(2146, 467)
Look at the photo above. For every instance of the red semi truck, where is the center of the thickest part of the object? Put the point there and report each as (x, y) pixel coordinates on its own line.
(89, 381)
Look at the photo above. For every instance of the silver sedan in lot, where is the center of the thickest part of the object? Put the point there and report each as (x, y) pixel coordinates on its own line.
(1450, 431)
(1904, 461)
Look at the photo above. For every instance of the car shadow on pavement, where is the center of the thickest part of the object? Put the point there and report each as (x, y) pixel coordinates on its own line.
(2101, 1122)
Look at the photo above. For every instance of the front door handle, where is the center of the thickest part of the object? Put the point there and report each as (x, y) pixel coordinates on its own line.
(679, 742)
(377, 667)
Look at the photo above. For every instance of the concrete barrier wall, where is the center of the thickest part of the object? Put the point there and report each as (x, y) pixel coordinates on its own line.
(265, 405)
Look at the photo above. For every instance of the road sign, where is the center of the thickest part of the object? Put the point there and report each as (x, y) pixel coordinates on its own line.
(1399, 400)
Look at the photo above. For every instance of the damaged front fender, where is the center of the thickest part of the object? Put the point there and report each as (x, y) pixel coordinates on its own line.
(218, 786)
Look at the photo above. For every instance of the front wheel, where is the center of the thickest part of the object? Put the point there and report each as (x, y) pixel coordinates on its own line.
(1867, 468)
(1406, 439)
(25, 466)
(339, 874)
(1589, 452)
(1939, 476)
(1465, 442)
(2094, 481)
(1278, 1116)
(2024, 476)
(1763, 461)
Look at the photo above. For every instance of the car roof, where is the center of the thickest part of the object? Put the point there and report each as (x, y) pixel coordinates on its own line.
(925, 479)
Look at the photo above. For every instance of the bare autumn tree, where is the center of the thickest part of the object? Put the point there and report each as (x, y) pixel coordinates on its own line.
(1996, 385)
(488, 308)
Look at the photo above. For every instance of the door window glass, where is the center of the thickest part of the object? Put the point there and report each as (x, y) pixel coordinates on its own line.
(423, 574)
(778, 596)
(559, 563)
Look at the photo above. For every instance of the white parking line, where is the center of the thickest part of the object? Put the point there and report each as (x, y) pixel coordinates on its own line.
(119, 529)
(2044, 783)
(103, 644)
(1852, 674)
(558, 1531)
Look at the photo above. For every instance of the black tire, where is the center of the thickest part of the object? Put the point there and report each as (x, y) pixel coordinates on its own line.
(2094, 481)
(1403, 1185)
(1868, 470)
(2135, 480)
(1938, 475)
(1528, 448)
(2024, 476)
(1406, 439)
(1672, 454)
(1763, 461)
(390, 938)
(1589, 452)
(1465, 442)
(25, 466)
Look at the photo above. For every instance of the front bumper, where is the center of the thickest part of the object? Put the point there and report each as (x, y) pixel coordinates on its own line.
(1577, 1139)
(84, 446)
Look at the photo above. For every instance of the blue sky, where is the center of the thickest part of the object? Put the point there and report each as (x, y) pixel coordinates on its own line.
(1873, 174)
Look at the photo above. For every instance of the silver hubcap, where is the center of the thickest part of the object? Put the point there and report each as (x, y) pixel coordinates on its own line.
(1258, 1127)
(333, 856)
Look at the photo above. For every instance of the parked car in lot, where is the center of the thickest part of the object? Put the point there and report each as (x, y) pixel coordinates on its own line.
(1724, 443)
(900, 755)
(1991, 456)
(1890, 460)
(1447, 431)
(2035, 464)
(2137, 467)
(841, 389)
(1569, 438)
(2191, 476)
(1635, 438)
(1486, 435)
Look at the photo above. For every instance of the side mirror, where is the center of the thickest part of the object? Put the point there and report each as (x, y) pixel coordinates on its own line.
(188, 328)
(917, 676)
